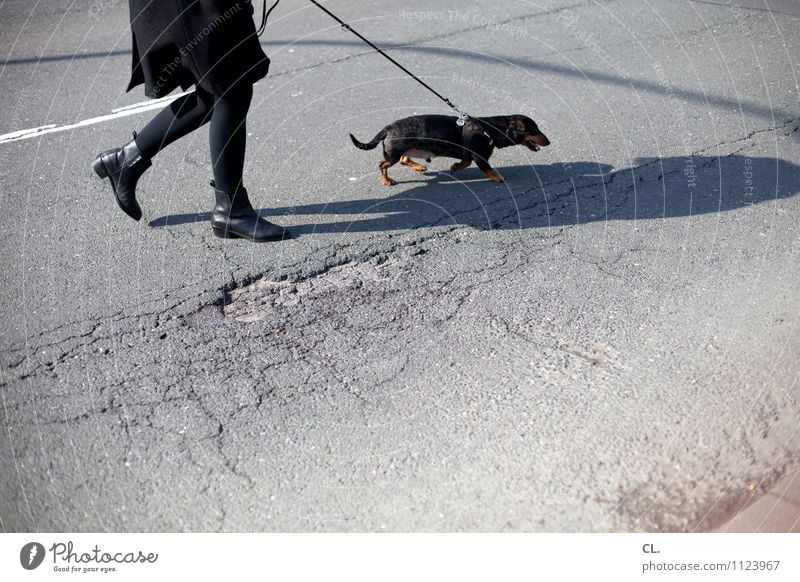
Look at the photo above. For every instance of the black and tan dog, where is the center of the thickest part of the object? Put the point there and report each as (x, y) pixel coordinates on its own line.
(431, 136)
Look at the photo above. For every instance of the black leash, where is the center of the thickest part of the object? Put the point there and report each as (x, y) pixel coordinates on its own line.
(462, 116)
(265, 16)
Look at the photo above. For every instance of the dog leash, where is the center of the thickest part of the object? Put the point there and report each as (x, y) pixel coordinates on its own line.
(265, 16)
(462, 116)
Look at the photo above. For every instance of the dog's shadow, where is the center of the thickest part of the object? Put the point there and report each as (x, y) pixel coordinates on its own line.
(552, 195)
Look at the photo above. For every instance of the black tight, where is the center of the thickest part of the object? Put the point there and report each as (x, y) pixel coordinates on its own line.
(227, 135)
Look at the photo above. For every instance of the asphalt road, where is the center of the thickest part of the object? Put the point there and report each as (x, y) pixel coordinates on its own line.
(606, 342)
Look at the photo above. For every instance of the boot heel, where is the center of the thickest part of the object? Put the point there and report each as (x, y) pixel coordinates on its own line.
(99, 167)
(223, 232)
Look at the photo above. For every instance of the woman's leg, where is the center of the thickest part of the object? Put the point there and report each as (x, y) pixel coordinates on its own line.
(179, 118)
(228, 136)
(234, 216)
(124, 166)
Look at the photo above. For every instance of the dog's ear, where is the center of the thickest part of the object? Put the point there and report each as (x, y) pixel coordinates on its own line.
(515, 132)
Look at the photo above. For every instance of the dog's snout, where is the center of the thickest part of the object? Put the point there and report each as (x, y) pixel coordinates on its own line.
(540, 139)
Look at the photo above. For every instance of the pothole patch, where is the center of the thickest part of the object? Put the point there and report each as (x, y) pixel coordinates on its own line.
(262, 298)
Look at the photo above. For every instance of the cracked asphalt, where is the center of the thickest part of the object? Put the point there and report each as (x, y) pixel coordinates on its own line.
(606, 342)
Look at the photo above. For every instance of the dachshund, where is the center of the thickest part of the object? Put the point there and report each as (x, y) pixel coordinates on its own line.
(430, 136)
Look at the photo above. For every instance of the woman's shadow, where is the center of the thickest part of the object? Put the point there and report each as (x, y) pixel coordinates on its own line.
(536, 196)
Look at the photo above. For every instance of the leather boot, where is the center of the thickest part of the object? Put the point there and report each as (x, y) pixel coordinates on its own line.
(234, 217)
(123, 167)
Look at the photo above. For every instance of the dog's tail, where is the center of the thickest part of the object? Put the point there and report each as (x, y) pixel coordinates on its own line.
(373, 144)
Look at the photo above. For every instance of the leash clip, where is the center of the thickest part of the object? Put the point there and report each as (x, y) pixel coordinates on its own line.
(462, 117)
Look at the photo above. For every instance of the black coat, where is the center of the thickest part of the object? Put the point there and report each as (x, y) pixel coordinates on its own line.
(179, 43)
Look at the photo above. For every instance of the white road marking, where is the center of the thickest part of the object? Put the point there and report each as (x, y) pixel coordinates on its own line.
(126, 111)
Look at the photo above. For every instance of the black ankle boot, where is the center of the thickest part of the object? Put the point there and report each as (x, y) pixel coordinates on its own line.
(234, 217)
(124, 166)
